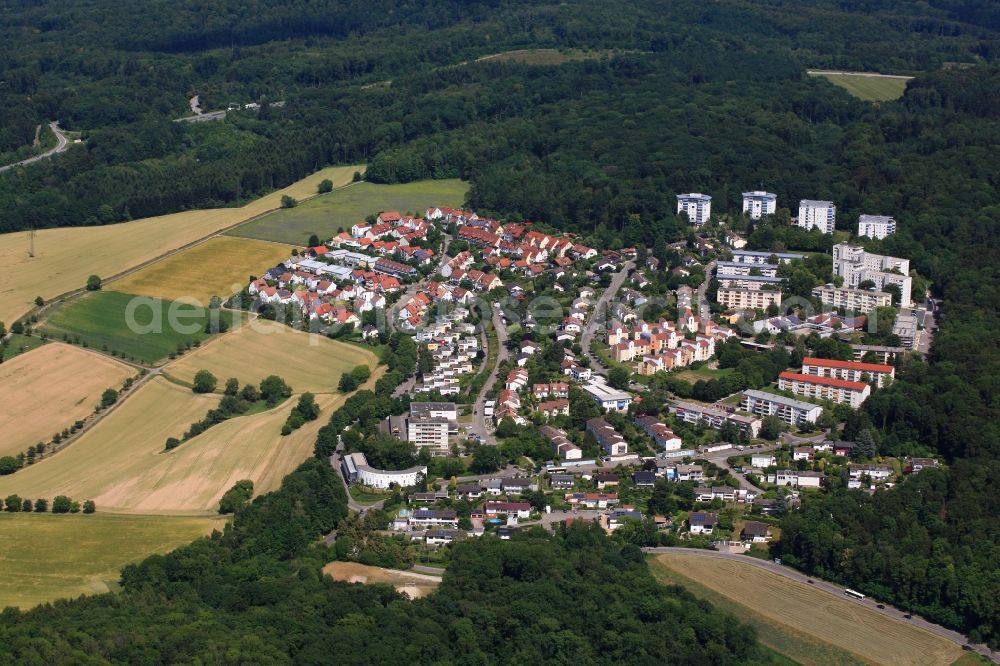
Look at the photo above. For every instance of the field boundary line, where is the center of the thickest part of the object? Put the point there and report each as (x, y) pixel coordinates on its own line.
(39, 309)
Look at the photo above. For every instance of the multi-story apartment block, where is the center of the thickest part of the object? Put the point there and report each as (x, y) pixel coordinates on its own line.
(429, 432)
(852, 300)
(852, 371)
(607, 437)
(740, 268)
(741, 298)
(856, 266)
(819, 214)
(757, 204)
(876, 226)
(697, 206)
(840, 391)
(761, 257)
(748, 281)
(791, 411)
(714, 417)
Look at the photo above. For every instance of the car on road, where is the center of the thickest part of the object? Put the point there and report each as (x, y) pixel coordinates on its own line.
(881, 606)
(908, 616)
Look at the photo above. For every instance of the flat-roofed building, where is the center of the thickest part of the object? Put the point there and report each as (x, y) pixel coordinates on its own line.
(608, 397)
(356, 469)
(876, 226)
(856, 266)
(740, 268)
(791, 411)
(741, 298)
(697, 206)
(446, 410)
(757, 204)
(765, 257)
(853, 300)
(821, 215)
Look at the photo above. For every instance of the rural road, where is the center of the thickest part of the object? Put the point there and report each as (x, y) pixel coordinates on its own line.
(837, 590)
(478, 417)
(599, 318)
(867, 75)
(62, 143)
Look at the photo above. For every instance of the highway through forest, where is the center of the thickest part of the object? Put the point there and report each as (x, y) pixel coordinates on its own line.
(62, 143)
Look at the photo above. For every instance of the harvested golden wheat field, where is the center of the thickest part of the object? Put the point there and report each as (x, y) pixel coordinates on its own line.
(260, 348)
(218, 267)
(46, 389)
(849, 626)
(64, 257)
(121, 463)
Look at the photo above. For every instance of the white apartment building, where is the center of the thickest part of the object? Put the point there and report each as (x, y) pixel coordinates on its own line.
(852, 371)
(852, 300)
(757, 204)
(876, 226)
(445, 410)
(763, 257)
(819, 214)
(740, 298)
(856, 265)
(840, 391)
(740, 268)
(748, 281)
(429, 432)
(791, 411)
(697, 206)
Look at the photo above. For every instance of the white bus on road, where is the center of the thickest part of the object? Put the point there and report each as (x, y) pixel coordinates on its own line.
(853, 593)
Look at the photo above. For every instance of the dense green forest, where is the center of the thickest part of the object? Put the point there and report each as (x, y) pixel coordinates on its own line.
(684, 96)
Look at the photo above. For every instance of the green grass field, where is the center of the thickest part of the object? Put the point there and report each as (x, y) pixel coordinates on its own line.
(45, 557)
(101, 320)
(347, 206)
(18, 344)
(868, 88)
(703, 373)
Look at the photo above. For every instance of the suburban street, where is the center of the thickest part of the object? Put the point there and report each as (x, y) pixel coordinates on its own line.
(503, 354)
(62, 143)
(721, 458)
(599, 316)
(837, 590)
(704, 309)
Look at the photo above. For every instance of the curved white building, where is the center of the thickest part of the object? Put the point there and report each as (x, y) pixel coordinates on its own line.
(356, 469)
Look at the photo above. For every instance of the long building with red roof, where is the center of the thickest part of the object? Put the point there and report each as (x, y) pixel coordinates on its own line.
(852, 371)
(840, 391)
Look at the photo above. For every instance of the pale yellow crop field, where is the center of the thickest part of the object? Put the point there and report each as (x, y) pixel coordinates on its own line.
(45, 557)
(46, 389)
(64, 257)
(124, 444)
(810, 613)
(218, 267)
(307, 362)
(121, 463)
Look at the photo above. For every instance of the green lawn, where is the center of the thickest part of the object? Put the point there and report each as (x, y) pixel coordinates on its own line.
(366, 497)
(18, 344)
(344, 207)
(101, 320)
(45, 557)
(868, 88)
(703, 373)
